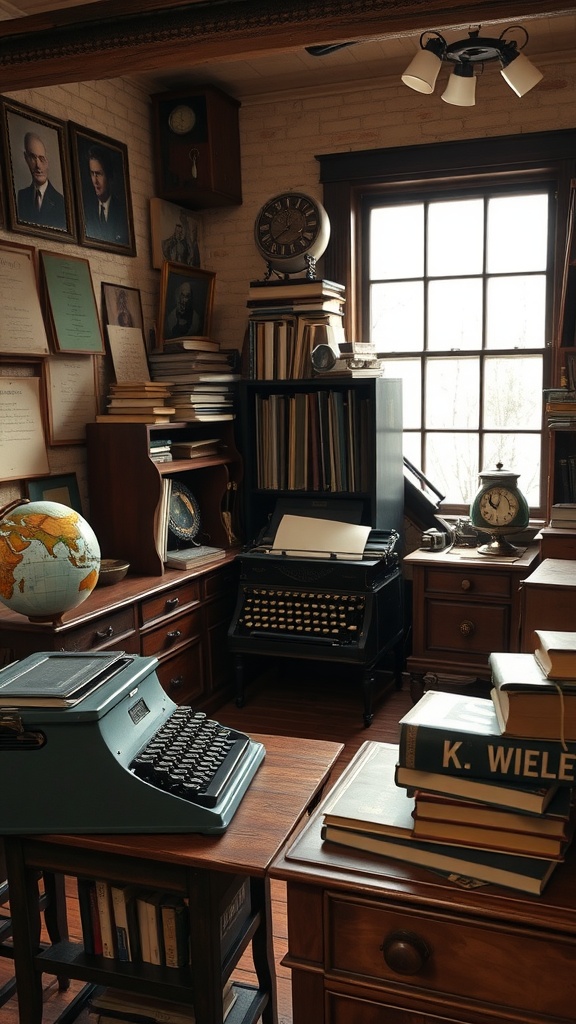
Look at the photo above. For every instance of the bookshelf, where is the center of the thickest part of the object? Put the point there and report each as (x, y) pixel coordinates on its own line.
(323, 441)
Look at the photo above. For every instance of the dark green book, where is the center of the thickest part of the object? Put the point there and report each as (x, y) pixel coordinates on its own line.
(459, 735)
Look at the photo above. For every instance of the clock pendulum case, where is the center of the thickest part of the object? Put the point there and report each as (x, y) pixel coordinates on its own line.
(196, 139)
(498, 508)
(291, 232)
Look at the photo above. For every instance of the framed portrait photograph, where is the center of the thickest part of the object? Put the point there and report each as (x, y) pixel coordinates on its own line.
(122, 306)
(39, 196)
(63, 489)
(102, 190)
(175, 234)
(186, 301)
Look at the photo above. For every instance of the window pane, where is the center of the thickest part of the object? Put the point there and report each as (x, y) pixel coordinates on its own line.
(516, 312)
(513, 393)
(445, 253)
(452, 394)
(519, 453)
(411, 448)
(452, 465)
(397, 314)
(455, 314)
(408, 370)
(397, 242)
(517, 234)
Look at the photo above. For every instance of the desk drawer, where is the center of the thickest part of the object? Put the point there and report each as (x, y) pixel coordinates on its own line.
(470, 628)
(106, 632)
(171, 634)
(468, 582)
(181, 675)
(171, 601)
(480, 960)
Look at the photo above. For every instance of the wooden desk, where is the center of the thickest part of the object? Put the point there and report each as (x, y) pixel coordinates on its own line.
(202, 868)
(548, 599)
(481, 956)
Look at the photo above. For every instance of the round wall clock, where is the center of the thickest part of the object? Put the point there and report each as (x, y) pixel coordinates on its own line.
(292, 231)
(499, 507)
(181, 119)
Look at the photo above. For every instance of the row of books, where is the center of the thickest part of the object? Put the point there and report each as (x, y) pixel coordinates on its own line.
(112, 1006)
(477, 788)
(318, 441)
(560, 404)
(566, 476)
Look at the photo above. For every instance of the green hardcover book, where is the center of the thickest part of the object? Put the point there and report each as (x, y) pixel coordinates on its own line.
(459, 735)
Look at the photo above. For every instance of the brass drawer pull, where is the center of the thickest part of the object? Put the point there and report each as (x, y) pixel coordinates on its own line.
(176, 682)
(466, 584)
(172, 602)
(104, 634)
(467, 628)
(175, 634)
(405, 952)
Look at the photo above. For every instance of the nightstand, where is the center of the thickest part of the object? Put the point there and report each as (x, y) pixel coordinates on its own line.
(464, 606)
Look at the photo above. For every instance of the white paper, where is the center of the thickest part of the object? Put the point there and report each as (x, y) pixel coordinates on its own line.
(128, 350)
(309, 537)
(22, 443)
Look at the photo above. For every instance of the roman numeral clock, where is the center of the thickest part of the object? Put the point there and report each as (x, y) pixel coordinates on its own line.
(292, 231)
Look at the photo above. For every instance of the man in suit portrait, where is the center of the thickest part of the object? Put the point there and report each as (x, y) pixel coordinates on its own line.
(184, 320)
(40, 203)
(104, 210)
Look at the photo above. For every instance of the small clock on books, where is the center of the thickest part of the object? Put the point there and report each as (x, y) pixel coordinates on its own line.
(498, 508)
(291, 232)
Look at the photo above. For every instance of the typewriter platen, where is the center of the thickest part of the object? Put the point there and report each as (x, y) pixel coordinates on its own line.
(124, 758)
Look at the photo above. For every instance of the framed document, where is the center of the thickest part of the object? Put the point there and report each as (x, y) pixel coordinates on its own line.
(71, 397)
(22, 329)
(71, 303)
(22, 443)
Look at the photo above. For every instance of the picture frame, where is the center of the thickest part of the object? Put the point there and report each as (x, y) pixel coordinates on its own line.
(186, 302)
(22, 328)
(175, 233)
(71, 304)
(36, 155)
(62, 488)
(101, 176)
(71, 397)
(122, 306)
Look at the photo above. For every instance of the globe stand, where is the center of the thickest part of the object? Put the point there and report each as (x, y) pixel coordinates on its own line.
(46, 620)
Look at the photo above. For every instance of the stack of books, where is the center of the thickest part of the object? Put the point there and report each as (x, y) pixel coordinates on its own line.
(478, 789)
(138, 402)
(287, 320)
(563, 515)
(560, 408)
(200, 377)
(111, 1006)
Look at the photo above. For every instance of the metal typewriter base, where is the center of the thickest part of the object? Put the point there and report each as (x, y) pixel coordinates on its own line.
(395, 645)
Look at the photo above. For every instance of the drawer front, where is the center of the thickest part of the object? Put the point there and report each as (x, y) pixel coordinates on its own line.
(471, 582)
(221, 582)
(470, 629)
(477, 960)
(109, 631)
(172, 634)
(181, 674)
(170, 602)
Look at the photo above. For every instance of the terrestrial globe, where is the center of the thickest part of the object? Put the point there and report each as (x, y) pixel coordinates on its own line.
(49, 559)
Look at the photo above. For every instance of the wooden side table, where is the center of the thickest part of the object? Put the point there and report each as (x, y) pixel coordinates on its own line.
(464, 606)
(548, 599)
(200, 867)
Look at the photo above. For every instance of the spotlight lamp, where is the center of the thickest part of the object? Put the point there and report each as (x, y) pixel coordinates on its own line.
(469, 57)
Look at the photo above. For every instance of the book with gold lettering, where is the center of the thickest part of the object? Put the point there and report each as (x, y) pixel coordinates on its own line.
(459, 735)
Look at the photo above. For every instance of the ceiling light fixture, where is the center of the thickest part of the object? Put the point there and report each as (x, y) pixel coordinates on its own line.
(469, 57)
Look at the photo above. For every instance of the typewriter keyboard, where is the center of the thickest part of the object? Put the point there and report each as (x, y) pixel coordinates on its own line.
(322, 617)
(192, 756)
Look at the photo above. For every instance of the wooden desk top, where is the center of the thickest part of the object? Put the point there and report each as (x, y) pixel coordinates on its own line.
(473, 557)
(292, 774)
(553, 572)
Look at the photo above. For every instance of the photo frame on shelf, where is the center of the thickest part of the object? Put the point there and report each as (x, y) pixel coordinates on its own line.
(175, 234)
(102, 190)
(71, 303)
(36, 160)
(122, 306)
(186, 302)
(22, 328)
(62, 489)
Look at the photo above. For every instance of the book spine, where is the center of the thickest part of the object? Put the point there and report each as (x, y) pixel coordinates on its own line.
(85, 887)
(106, 918)
(175, 934)
(503, 758)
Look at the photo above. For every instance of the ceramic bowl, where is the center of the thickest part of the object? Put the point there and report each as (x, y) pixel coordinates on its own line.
(112, 570)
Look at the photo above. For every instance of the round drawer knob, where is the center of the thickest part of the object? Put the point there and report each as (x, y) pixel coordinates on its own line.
(467, 628)
(466, 584)
(405, 952)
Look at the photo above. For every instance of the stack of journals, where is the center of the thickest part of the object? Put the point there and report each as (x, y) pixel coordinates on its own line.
(563, 515)
(200, 380)
(481, 788)
(111, 1006)
(138, 402)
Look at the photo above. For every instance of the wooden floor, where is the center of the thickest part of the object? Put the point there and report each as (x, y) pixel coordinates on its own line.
(322, 703)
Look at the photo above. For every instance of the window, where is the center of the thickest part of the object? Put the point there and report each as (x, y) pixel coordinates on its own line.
(452, 256)
(457, 294)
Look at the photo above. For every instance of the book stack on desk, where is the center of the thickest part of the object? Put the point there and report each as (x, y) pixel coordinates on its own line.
(472, 790)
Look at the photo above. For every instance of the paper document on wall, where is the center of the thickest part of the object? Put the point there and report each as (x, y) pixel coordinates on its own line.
(309, 537)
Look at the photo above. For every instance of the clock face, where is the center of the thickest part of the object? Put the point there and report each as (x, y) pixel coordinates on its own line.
(498, 506)
(182, 119)
(290, 227)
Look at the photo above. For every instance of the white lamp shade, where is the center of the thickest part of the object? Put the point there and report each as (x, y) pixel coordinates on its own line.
(460, 91)
(521, 75)
(422, 71)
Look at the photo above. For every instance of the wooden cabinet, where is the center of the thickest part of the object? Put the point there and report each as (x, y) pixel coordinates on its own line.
(464, 606)
(548, 599)
(126, 486)
(377, 941)
(181, 618)
(291, 443)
